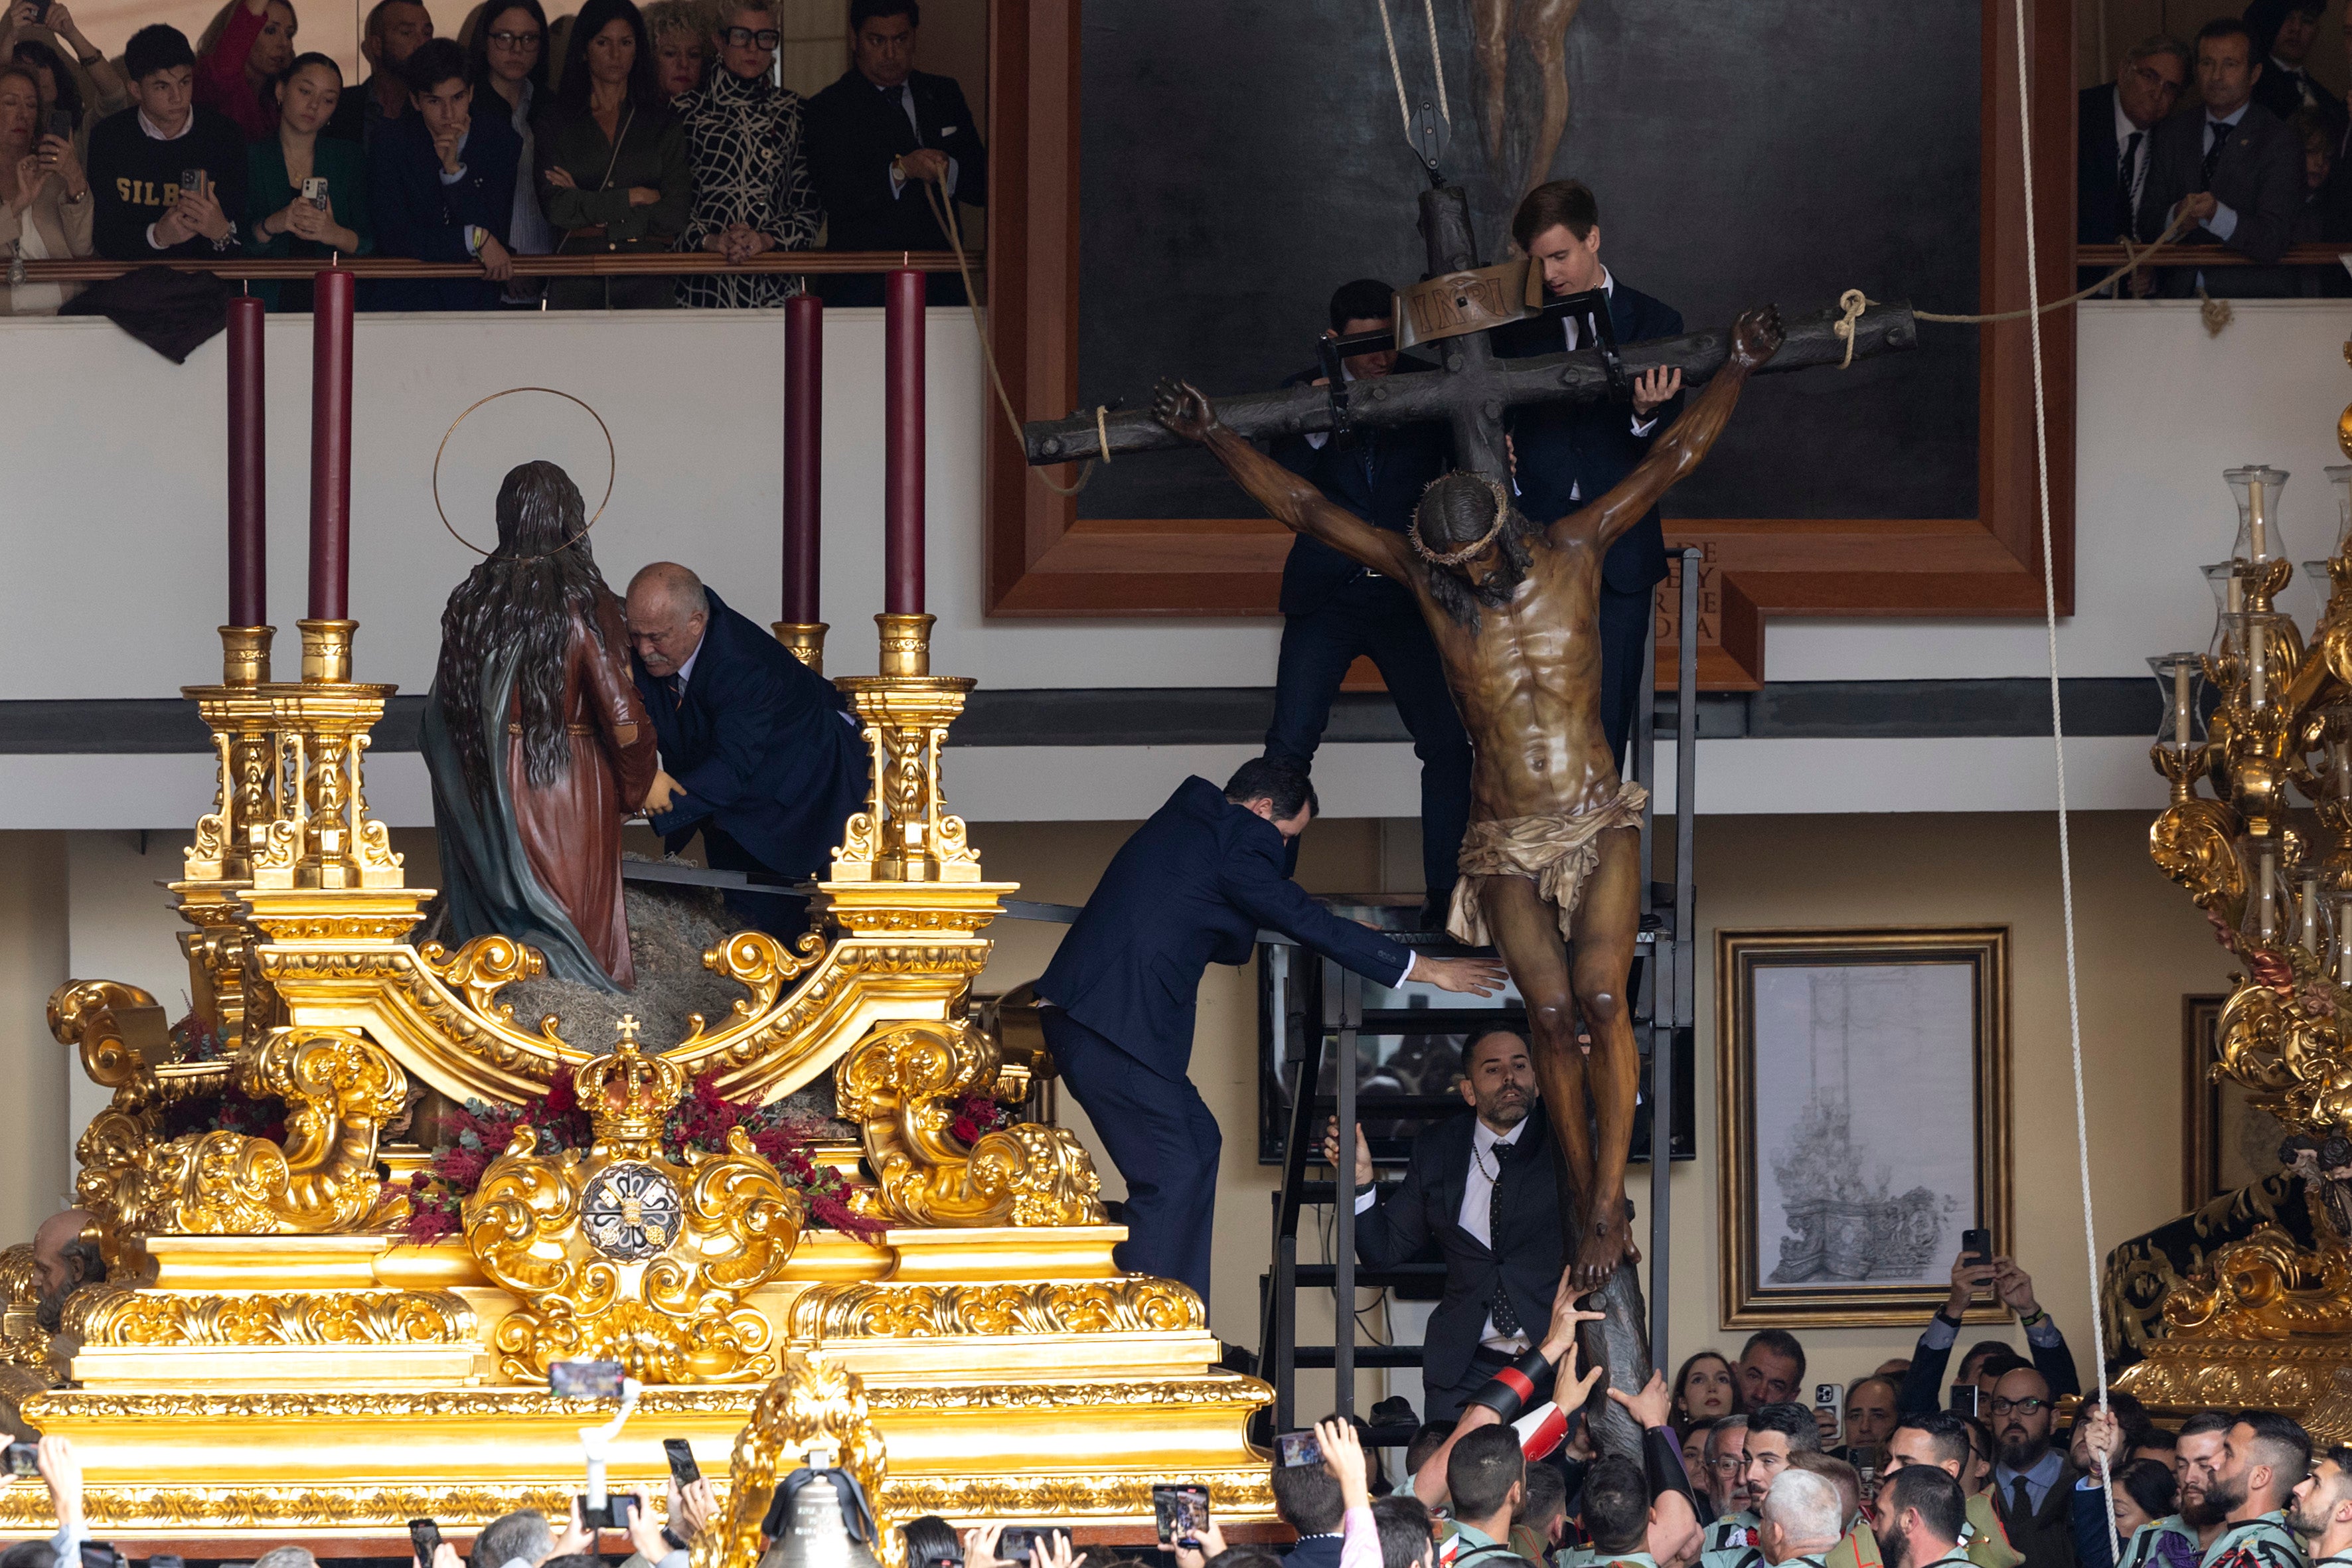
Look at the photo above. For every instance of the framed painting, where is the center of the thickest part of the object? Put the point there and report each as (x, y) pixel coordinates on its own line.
(1863, 1083)
(2227, 1142)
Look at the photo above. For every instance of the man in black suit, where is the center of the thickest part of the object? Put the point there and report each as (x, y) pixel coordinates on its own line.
(1193, 887)
(1334, 609)
(1481, 1189)
(1567, 454)
(2115, 126)
(2032, 1478)
(877, 138)
(441, 184)
(2233, 168)
(757, 751)
(2284, 32)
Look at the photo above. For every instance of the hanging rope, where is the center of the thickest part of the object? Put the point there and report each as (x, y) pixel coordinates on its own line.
(944, 210)
(2058, 742)
(1396, 71)
(1436, 56)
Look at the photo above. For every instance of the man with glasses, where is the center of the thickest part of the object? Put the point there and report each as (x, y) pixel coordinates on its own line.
(1734, 1530)
(2232, 169)
(2113, 127)
(886, 142)
(752, 193)
(2032, 1481)
(1771, 1433)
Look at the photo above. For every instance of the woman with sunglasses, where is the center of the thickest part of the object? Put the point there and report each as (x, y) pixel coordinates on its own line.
(752, 193)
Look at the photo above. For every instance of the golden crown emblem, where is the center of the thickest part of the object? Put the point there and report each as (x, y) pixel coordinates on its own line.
(627, 1094)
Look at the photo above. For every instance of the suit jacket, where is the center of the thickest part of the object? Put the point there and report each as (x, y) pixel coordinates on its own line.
(1191, 888)
(419, 218)
(1588, 446)
(2260, 176)
(1403, 460)
(2047, 1537)
(854, 131)
(1423, 1211)
(1923, 1386)
(2099, 213)
(761, 745)
(2282, 94)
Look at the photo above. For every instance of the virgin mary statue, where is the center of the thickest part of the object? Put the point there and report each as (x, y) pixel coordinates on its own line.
(536, 741)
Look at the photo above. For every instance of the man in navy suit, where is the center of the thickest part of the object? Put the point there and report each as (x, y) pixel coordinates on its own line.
(1480, 1188)
(2232, 168)
(1567, 454)
(1193, 887)
(2115, 135)
(1334, 609)
(441, 186)
(877, 138)
(757, 750)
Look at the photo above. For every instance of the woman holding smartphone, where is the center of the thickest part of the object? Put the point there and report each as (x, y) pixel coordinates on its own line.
(288, 213)
(45, 207)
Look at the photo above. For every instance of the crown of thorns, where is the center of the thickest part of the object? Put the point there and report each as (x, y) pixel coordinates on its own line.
(1502, 515)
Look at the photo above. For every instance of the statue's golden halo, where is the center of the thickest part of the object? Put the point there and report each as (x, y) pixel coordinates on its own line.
(612, 467)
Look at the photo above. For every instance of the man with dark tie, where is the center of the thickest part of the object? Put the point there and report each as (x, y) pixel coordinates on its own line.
(2284, 32)
(1564, 454)
(2115, 125)
(1334, 610)
(757, 752)
(2233, 168)
(1480, 1188)
(1192, 887)
(885, 141)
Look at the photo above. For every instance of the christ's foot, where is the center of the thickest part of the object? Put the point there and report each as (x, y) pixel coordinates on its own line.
(1608, 1241)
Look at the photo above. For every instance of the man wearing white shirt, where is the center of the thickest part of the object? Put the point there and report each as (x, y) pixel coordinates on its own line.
(1564, 454)
(2115, 136)
(1482, 1187)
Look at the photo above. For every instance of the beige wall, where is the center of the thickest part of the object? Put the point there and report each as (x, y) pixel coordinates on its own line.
(33, 1125)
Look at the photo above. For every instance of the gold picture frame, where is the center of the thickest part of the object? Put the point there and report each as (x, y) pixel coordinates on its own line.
(2225, 1144)
(1851, 1238)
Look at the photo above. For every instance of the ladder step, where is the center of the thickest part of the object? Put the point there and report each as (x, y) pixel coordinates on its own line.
(1368, 1277)
(1366, 1355)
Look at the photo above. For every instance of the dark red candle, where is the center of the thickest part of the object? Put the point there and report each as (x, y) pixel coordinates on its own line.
(331, 447)
(248, 564)
(902, 418)
(804, 426)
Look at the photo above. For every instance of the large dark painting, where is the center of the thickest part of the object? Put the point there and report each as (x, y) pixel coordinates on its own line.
(1241, 158)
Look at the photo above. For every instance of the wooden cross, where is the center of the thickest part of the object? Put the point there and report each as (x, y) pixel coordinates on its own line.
(1475, 387)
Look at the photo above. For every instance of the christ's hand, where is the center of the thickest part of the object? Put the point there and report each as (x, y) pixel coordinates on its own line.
(1755, 337)
(1185, 409)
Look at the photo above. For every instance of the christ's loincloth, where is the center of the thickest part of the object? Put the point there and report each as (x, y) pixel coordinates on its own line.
(1557, 853)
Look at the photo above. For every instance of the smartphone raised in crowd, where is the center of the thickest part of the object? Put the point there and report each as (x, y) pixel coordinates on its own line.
(1976, 1248)
(424, 1538)
(584, 1379)
(1018, 1542)
(1964, 1398)
(682, 1467)
(24, 1459)
(1831, 1397)
(1294, 1448)
(61, 124)
(1181, 1515)
(314, 191)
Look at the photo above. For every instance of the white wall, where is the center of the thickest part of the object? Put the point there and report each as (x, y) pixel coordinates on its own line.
(116, 481)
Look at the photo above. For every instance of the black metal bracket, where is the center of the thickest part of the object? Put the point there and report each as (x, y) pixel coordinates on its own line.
(1592, 307)
(1335, 378)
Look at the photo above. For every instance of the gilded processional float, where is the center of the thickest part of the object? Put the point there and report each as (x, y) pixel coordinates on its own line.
(2247, 1300)
(307, 1325)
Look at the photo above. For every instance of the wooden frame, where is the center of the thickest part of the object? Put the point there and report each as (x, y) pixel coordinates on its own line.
(2211, 1163)
(1909, 1232)
(1044, 562)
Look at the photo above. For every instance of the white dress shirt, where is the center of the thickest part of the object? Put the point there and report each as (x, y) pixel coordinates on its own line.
(2137, 175)
(904, 93)
(1641, 427)
(1477, 1213)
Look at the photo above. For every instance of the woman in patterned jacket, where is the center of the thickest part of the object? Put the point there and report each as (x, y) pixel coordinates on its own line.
(751, 187)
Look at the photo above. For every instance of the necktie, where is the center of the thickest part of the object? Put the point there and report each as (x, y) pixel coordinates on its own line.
(2126, 196)
(675, 686)
(2020, 1500)
(1507, 1317)
(2213, 153)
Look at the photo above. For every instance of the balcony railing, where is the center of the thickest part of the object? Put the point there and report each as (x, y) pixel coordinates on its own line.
(617, 264)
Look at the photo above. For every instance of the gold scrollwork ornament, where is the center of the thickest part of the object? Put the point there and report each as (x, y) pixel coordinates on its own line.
(812, 1402)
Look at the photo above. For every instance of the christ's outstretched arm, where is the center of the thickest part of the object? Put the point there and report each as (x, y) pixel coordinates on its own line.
(1755, 338)
(1292, 501)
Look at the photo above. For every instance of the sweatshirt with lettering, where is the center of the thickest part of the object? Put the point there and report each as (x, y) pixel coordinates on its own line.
(133, 177)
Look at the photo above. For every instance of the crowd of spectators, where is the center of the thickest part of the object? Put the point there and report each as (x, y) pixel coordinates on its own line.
(616, 131)
(2230, 136)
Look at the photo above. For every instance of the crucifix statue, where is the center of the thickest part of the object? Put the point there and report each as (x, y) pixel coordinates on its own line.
(1550, 866)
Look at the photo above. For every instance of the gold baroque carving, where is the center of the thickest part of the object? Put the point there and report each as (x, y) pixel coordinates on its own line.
(1135, 1304)
(339, 1089)
(480, 968)
(2303, 1378)
(2264, 1288)
(180, 1507)
(813, 1400)
(1221, 1389)
(119, 1315)
(900, 1084)
(1067, 1496)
